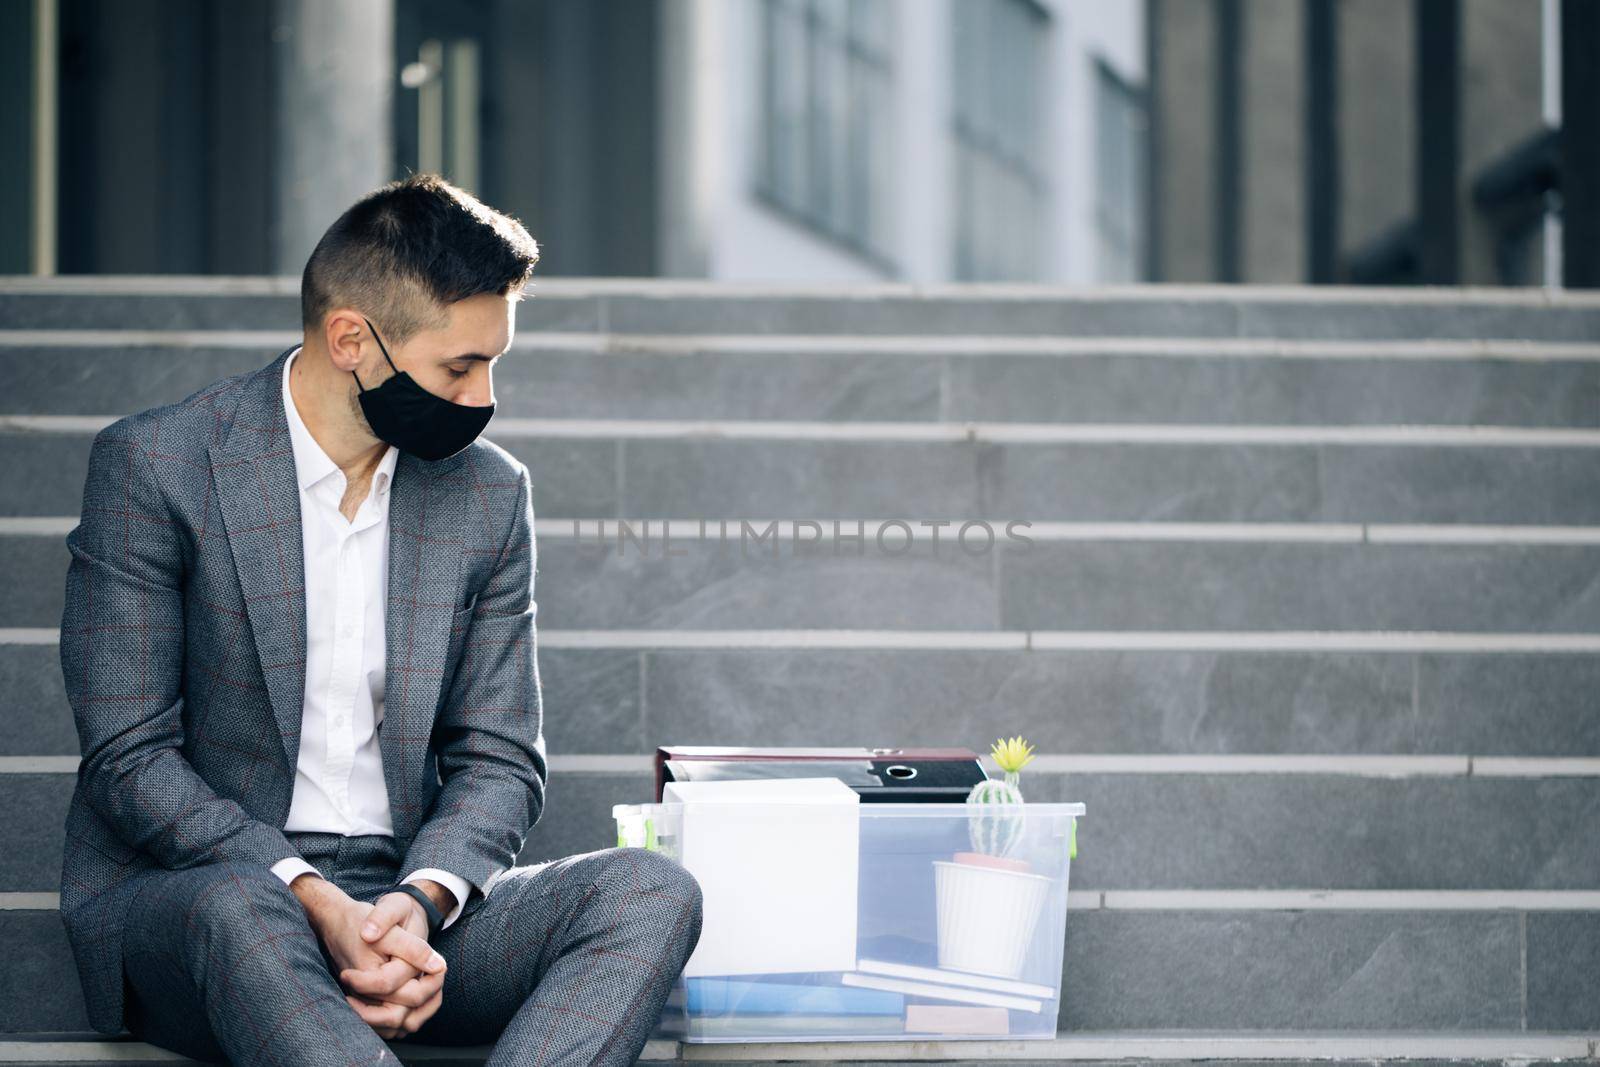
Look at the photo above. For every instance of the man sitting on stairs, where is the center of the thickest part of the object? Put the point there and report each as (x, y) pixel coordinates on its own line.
(299, 645)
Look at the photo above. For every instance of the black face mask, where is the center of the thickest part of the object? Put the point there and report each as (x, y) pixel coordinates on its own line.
(406, 415)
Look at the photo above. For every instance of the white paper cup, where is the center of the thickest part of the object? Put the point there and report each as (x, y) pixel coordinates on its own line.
(986, 917)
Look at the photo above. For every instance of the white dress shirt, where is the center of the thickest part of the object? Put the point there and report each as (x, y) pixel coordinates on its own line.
(338, 784)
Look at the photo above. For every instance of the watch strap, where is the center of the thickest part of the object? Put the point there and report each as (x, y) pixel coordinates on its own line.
(435, 916)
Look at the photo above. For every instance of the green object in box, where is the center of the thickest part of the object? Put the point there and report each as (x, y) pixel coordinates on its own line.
(650, 840)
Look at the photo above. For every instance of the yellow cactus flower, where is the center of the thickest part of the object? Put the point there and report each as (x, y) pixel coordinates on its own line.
(1011, 756)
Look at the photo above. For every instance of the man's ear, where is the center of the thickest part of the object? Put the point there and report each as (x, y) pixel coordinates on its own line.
(343, 331)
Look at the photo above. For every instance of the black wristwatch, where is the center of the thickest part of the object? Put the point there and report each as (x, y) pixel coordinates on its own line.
(435, 916)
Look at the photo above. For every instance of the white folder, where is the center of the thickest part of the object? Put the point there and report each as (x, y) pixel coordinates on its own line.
(779, 884)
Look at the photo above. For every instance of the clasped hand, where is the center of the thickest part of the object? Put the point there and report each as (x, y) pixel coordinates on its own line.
(391, 975)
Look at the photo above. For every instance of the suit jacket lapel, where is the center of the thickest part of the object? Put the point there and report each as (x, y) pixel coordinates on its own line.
(426, 524)
(253, 475)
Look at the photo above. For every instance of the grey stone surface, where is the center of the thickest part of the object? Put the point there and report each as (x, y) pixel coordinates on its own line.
(1312, 319)
(865, 386)
(33, 571)
(804, 479)
(1493, 485)
(1286, 970)
(1535, 705)
(163, 311)
(1564, 968)
(39, 987)
(35, 832)
(115, 379)
(713, 583)
(1120, 702)
(1143, 831)
(1293, 483)
(1089, 314)
(1286, 586)
(1245, 831)
(591, 699)
(1218, 390)
(717, 385)
(1062, 314)
(1332, 703)
(1236, 483)
(1063, 702)
(716, 585)
(37, 717)
(569, 478)
(43, 474)
(710, 478)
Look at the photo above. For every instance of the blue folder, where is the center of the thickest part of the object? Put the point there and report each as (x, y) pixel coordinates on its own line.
(720, 996)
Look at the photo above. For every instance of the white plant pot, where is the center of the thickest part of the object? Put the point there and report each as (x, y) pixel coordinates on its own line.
(986, 917)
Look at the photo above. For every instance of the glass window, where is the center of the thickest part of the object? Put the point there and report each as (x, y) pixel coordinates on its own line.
(826, 132)
(1119, 212)
(998, 179)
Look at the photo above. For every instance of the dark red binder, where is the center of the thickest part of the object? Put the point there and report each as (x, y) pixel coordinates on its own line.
(878, 775)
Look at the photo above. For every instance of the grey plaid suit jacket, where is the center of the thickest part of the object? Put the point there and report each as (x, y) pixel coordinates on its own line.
(183, 646)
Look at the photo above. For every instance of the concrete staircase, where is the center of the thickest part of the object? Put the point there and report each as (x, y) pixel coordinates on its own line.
(1310, 616)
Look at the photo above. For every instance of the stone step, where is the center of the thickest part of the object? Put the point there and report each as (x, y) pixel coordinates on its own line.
(1356, 970)
(917, 379)
(920, 474)
(687, 306)
(790, 579)
(1432, 827)
(621, 692)
(1511, 1048)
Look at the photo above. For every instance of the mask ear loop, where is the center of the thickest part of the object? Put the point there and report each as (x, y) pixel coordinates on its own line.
(381, 348)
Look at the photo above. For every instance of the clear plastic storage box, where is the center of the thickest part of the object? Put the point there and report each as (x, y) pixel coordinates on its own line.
(866, 922)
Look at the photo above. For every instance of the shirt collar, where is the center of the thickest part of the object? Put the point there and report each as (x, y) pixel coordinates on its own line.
(311, 463)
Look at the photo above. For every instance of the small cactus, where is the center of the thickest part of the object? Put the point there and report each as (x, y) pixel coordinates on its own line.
(992, 829)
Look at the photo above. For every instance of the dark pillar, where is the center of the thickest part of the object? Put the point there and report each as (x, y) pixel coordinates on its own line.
(1322, 142)
(17, 108)
(1153, 230)
(1438, 139)
(1229, 155)
(1580, 144)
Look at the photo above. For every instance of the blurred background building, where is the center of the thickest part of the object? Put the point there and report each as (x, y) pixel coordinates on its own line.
(1041, 140)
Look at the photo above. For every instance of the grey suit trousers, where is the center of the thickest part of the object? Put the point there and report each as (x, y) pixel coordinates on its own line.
(567, 962)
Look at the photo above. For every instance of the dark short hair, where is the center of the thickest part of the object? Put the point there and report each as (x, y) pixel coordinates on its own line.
(405, 251)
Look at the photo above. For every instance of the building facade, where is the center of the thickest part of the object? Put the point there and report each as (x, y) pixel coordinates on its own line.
(918, 140)
(1081, 141)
